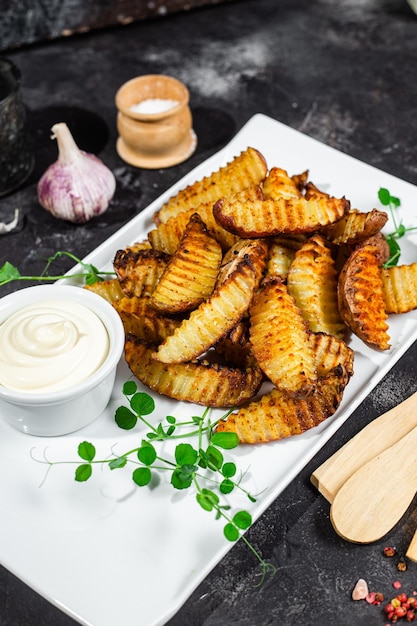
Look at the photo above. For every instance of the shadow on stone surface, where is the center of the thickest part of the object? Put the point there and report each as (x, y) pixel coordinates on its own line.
(213, 128)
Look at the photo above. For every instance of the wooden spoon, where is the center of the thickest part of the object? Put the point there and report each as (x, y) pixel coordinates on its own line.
(376, 437)
(376, 496)
(412, 549)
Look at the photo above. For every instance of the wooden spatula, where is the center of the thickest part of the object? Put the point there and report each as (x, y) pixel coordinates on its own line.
(369, 504)
(376, 437)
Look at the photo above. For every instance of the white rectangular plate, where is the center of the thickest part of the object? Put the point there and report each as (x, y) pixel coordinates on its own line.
(107, 553)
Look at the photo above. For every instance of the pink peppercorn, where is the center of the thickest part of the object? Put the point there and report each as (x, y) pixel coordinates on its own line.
(374, 597)
(389, 551)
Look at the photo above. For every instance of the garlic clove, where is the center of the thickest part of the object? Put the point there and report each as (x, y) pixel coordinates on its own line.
(78, 186)
(360, 590)
(9, 226)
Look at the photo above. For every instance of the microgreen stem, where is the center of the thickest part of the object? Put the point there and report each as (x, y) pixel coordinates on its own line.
(267, 567)
(91, 275)
(392, 202)
(202, 467)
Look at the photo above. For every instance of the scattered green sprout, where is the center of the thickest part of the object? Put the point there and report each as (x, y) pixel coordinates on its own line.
(201, 466)
(392, 202)
(91, 275)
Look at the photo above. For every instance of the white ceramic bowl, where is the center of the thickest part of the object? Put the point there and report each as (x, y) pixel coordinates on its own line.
(61, 412)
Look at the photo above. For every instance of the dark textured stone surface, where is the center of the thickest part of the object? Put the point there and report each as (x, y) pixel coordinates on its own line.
(343, 73)
(32, 21)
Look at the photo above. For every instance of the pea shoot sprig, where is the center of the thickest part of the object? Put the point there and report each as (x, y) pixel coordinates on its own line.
(392, 202)
(90, 273)
(201, 466)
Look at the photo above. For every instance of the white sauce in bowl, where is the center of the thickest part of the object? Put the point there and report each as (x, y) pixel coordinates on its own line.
(51, 345)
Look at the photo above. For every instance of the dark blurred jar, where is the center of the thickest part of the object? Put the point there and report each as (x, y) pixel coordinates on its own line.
(16, 155)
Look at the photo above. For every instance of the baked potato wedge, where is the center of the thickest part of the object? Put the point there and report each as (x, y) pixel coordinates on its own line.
(312, 191)
(267, 218)
(110, 289)
(201, 382)
(278, 184)
(140, 320)
(280, 340)
(238, 279)
(236, 348)
(330, 352)
(301, 180)
(166, 236)
(245, 170)
(360, 293)
(355, 227)
(191, 273)
(139, 271)
(279, 260)
(277, 414)
(312, 281)
(399, 286)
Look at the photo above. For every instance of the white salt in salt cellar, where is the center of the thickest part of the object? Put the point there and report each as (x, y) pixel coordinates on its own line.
(153, 105)
(154, 122)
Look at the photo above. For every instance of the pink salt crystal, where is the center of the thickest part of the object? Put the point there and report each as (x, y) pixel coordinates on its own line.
(361, 590)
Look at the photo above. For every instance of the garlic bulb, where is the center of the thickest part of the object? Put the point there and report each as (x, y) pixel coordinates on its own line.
(78, 186)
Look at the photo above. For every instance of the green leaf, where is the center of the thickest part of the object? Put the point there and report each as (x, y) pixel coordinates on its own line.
(185, 454)
(203, 459)
(395, 201)
(142, 476)
(146, 453)
(83, 472)
(182, 477)
(125, 418)
(186, 472)
(395, 251)
(161, 432)
(227, 441)
(242, 519)
(118, 463)
(401, 230)
(207, 499)
(142, 403)
(129, 388)
(214, 458)
(170, 419)
(86, 451)
(8, 273)
(211, 495)
(229, 470)
(204, 502)
(227, 486)
(92, 274)
(384, 196)
(231, 532)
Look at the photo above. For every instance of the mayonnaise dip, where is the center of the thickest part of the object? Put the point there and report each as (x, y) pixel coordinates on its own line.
(51, 345)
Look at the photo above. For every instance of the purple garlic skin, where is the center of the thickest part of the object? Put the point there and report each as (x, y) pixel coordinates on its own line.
(78, 186)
